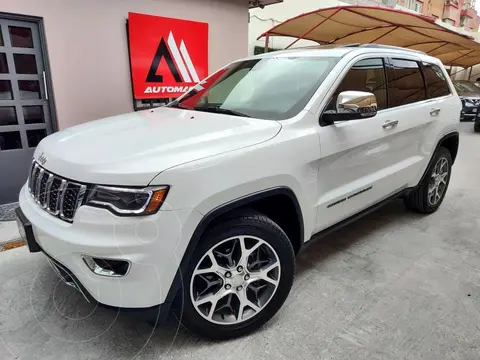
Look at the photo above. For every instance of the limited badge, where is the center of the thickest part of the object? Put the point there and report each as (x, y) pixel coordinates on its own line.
(42, 159)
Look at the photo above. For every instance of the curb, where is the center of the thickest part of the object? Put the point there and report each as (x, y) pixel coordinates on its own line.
(11, 244)
(9, 236)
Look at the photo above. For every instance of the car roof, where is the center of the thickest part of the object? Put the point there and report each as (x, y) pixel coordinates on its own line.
(340, 50)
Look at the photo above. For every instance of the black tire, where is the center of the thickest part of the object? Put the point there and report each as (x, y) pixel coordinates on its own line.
(476, 127)
(252, 224)
(417, 200)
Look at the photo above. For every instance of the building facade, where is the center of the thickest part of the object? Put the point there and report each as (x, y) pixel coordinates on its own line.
(456, 13)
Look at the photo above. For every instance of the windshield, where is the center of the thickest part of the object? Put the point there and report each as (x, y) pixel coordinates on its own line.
(267, 88)
(466, 87)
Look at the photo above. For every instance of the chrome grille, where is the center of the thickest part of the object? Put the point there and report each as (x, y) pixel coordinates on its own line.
(58, 196)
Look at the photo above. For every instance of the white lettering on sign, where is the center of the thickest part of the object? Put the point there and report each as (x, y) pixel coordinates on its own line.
(166, 89)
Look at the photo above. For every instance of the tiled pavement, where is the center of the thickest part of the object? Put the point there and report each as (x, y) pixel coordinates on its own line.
(7, 212)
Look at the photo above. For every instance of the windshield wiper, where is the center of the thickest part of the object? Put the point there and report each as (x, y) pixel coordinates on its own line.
(219, 110)
(178, 106)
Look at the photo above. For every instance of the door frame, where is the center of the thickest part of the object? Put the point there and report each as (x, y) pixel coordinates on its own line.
(46, 61)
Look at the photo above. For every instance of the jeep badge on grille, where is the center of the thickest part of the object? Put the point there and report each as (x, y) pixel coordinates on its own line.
(42, 159)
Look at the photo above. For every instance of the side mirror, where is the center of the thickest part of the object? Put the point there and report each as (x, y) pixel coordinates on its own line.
(351, 105)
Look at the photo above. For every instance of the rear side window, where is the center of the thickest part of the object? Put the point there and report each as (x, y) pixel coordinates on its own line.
(366, 75)
(435, 80)
(405, 82)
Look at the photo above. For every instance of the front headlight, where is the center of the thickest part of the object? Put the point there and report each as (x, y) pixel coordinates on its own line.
(128, 201)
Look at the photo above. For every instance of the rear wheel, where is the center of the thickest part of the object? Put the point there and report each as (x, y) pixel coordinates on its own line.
(429, 194)
(238, 278)
(476, 127)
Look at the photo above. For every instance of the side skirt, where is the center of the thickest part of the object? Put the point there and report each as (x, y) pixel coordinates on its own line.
(351, 219)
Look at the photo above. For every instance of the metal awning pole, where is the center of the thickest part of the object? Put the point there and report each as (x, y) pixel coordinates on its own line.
(474, 75)
(381, 36)
(313, 28)
(456, 72)
(266, 42)
(458, 58)
(438, 47)
(470, 73)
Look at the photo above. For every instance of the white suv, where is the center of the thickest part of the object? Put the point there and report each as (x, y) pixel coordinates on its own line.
(203, 203)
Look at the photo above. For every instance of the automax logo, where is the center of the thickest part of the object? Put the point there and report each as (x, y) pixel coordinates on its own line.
(161, 66)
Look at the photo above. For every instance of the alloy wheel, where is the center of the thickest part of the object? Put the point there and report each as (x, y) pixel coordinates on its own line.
(235, 280)
(438, 181)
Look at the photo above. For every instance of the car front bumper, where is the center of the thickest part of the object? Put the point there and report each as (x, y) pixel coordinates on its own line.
(469, 112)
(153, 246)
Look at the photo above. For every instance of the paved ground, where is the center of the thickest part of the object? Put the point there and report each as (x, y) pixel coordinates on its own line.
(393, 285)
(7, 212)
(8, 233)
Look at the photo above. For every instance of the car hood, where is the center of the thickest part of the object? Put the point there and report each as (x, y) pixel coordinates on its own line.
(132, 149)
(469, 95)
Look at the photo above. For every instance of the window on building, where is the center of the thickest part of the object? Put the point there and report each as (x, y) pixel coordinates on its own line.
(449, 22)
(418, 6)
(468, 4)
(405, 82)
(414, 5)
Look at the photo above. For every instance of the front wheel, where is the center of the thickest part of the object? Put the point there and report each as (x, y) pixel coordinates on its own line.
(239, 277)
(429, 194)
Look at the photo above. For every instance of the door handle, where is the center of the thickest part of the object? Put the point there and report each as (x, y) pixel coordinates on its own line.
(434, 111)
(390, 124)
(45, 85)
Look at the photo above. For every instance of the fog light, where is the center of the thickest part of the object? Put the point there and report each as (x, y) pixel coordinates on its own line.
(106, 267)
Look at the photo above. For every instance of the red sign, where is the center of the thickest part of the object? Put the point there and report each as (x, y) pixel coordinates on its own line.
(167, 56)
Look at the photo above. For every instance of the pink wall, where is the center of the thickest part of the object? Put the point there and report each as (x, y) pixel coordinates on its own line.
(453, 13)
(87, 46)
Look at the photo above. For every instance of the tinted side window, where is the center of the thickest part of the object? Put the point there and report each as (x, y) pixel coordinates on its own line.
(405, 82)
(366, 75)
(436, 83)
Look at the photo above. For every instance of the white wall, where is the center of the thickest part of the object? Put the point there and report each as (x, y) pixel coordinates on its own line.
(262, 20)
(88, 51)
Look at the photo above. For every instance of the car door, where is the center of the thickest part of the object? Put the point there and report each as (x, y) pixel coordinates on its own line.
(444, 108)
(355, 169)
(414, 112)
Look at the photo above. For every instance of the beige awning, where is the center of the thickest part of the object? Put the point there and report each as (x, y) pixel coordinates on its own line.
(368, 24)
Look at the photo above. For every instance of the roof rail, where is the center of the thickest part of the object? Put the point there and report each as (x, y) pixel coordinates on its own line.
(351, 45)
(380, 46)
